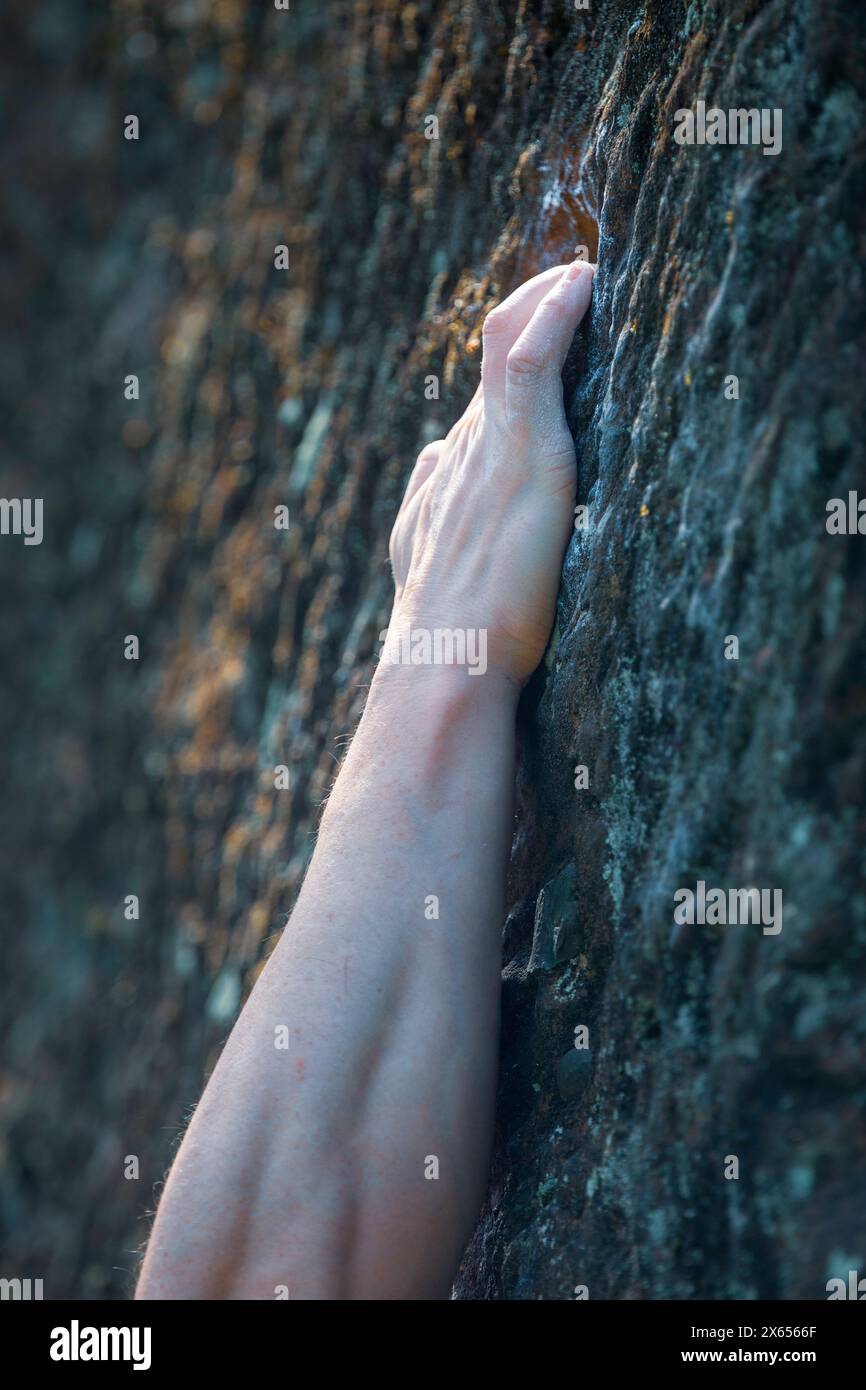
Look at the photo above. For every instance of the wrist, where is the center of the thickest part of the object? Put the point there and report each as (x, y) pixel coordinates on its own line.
(425, 659)
(429, 729)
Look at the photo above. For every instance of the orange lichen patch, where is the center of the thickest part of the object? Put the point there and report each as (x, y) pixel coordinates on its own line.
(452, 359)
(670, 292)
(199, 245)
(408, 16)
(526, 175)
(569, 221)
(182, 501)
(644, 511)
(246, 172)
(687, 378)
(571, 224)
(136, 434)
(196, 695)
(686, 80)
(241, 451)
(225, 758)
(444, 91)
(239, 570)
(227, 15)
(235, 841)
(186, 331)
(456, 331)
(221, 488)
(178, 853)
(213, 393)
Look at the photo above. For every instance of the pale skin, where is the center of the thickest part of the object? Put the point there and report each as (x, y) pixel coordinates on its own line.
(309, 1168)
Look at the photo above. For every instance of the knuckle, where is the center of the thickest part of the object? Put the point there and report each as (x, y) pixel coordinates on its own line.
(525, 362)
(430, 454)
(554, 308)
(496, 323)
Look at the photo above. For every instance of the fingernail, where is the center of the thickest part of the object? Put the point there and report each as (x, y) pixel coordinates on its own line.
(575, 270)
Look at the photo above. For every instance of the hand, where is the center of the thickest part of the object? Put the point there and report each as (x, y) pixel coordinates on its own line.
(480, 536)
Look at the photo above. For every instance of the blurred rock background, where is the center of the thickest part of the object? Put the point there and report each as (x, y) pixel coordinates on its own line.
(310, 388)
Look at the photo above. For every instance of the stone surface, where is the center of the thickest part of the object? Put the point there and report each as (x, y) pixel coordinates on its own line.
(307, 388)
(556, 932)
(573, 1073)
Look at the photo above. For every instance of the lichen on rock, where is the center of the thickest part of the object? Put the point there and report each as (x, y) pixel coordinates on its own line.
(315, 388)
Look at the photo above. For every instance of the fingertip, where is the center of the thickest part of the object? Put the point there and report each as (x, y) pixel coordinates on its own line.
(574, 291)
(579, 270)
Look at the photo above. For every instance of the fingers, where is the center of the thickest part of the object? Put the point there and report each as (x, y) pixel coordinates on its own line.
(503, 327)
(533, 366)
(526, 339)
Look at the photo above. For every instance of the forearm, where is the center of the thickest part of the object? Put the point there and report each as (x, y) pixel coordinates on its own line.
(306, 1167)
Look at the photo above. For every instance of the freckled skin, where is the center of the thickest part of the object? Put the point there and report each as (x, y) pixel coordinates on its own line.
(305, 1167)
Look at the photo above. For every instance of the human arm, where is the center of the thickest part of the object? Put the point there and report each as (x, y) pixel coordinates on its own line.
(309, 1168)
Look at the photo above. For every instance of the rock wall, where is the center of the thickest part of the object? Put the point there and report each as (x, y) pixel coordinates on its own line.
(311, 388)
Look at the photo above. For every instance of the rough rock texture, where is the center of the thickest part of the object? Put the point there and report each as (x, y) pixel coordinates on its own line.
(306, 387)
